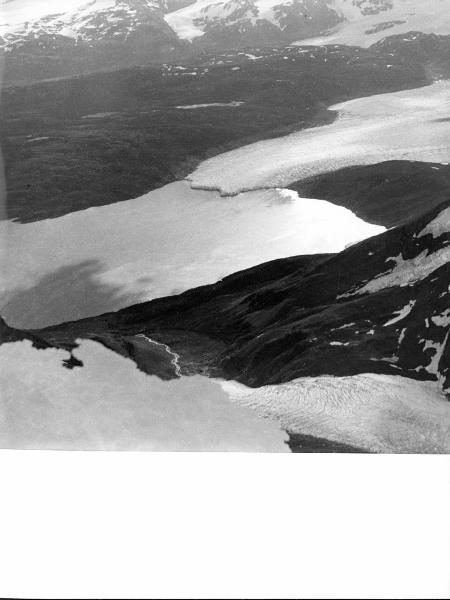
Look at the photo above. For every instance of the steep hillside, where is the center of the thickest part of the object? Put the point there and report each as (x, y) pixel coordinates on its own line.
(381, 306)
(351, 22)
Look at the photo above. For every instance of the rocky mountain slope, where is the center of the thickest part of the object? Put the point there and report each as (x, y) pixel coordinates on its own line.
(352, 22)
(46, 40)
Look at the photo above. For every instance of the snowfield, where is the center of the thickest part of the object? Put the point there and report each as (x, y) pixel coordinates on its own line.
(109, 404)
(187, 22)
(16, 12)
(358, 29)
(405, 272)
(408, 125)
(63, 17)
(378, 413)
(426, 16)
(172, 239)
(409, 271)
(438, 226)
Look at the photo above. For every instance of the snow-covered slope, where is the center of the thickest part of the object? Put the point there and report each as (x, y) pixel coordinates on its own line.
(353, 22)
(77, 19)
(247, 18)
(368, 21)
(72, 37)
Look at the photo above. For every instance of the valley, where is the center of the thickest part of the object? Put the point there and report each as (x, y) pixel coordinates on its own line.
(212, 245)
(72, 144)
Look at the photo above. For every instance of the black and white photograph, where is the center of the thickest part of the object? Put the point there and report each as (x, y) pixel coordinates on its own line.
(226, 225)
(225, 299)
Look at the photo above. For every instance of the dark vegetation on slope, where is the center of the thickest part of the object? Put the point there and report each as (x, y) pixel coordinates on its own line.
(298, 317)
(428, 49)
(389, 193)
(299, 443)
(60, 159)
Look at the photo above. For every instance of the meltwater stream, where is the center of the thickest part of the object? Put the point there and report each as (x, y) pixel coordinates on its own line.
(174, 357)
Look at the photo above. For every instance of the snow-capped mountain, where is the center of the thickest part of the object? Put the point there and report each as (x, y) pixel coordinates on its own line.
(83, 22)
(355, 22)
(83, 36)
(48, 39)
(361, 22)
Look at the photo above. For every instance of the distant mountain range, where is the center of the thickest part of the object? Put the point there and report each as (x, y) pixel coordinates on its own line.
(54, 39)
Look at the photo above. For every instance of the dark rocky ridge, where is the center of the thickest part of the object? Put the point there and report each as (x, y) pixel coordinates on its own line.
(429, 49)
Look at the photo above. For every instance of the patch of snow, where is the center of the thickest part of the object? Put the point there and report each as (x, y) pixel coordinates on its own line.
(232, 104)
(252, 56)
(405, 272)
(402, 313)
(440, 225)
(438, 348)
(343, 326)
(182, 21)
(442, 320)
(427, 16)
(100, 115)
